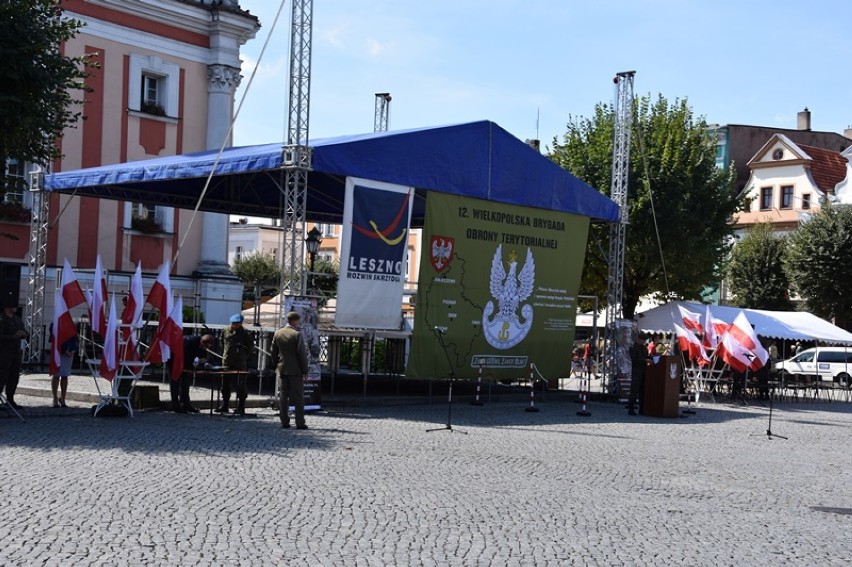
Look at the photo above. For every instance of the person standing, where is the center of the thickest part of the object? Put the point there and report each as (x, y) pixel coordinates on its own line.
(12, 332)
(587, 358)
(59, 383)
(194, 354)
(238, 344)
(290, 360)
(638, 364)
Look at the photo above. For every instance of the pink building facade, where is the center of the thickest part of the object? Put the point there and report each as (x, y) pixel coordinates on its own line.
(165, 85)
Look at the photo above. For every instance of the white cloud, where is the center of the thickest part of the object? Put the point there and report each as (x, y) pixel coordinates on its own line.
(334, 36)
(375, 47)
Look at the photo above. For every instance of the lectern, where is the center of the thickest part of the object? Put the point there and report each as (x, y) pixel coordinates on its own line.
(662, 387)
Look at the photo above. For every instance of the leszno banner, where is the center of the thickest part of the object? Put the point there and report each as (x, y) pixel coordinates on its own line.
(500, 283)
(376, 218)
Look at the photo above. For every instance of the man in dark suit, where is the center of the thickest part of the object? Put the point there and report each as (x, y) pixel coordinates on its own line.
(290, 359)
(194, 356)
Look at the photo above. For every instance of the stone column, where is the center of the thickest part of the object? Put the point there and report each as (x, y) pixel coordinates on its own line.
(220, 290)
(222, 82)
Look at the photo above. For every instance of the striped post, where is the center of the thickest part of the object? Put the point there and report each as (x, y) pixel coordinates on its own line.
(585, 386)
(476, 401)
(532, 407)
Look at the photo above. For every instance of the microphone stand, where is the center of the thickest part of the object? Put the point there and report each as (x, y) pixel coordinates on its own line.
(448, 427)
(769, 433)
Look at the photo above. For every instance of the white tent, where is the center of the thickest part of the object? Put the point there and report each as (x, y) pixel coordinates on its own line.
(788, 325)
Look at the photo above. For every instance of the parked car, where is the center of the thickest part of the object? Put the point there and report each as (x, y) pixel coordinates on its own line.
(830, 364)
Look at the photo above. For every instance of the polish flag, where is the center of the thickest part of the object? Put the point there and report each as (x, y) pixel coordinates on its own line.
(161, 291)
(131, 317)
(689, 343)
(740, 347)
(98, 297)
(173, 337)
(690, 320)
(70, 295)
(132, 313)
(160, 297)
(109, 357)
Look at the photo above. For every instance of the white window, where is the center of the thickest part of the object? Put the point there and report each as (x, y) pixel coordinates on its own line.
(328, 229)
(238, 253)
(274, 254)
(16, 181)
(326, 256)
(153, 86)
(408, 254)
(152, 94)
(154, 219)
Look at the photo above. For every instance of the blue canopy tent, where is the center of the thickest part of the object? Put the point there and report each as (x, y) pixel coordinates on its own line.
(478, 159)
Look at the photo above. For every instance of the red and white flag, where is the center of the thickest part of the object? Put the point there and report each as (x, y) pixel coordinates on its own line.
(132, 314)
(70, 295)
(109, 356)
(173, 337)
(161, 292)
(713, 330)
(689, 343)
(740, 347)
(160, 297)
(98, 299)
(131, 317)
(690, 320)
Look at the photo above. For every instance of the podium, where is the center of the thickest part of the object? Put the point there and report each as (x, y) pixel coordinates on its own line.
(662, 387)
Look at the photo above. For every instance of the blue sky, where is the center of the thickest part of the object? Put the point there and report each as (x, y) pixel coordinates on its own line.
(531, 65)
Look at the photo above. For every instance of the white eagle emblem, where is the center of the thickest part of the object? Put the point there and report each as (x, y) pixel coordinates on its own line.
(442, 252)
(506, 329)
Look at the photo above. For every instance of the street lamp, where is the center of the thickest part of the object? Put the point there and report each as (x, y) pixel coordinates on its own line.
(312, 243)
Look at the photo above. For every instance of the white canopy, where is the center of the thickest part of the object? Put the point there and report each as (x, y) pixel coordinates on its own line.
(795, 325)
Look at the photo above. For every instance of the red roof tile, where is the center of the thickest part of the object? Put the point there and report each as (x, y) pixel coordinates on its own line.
(828, 167)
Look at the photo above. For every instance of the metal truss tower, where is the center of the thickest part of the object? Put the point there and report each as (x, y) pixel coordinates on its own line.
(297, 155)
(623, 122)
(382, 114)
(37, 268)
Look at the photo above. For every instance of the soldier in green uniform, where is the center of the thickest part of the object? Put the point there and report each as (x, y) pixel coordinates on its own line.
(238, 345)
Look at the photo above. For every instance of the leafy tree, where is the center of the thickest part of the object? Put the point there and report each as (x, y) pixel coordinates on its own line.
(755, 270)
(36, 101)
(693, 200)
(255, 270)
(324, 280)
(818, 263)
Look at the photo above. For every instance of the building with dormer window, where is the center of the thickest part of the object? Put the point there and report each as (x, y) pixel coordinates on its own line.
(789, 181)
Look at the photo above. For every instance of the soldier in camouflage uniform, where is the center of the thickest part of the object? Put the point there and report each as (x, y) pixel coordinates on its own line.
(238, 345)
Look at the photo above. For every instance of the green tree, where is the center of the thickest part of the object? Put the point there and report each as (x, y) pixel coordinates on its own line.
(324, 280)
(255, 270)
(818, 263)
(693, 200)
(755, 270)
(36, 100)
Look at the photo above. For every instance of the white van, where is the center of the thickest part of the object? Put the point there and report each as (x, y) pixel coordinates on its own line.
(831, 364)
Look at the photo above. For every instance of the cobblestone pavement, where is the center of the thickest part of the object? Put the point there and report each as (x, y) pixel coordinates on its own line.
(370, 486)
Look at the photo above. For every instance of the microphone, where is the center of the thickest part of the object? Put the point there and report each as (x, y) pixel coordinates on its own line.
(439, 330)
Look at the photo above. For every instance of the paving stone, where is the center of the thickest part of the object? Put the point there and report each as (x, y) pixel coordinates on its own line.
(370, 486)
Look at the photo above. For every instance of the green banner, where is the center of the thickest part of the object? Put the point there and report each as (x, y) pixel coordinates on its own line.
(497, 290)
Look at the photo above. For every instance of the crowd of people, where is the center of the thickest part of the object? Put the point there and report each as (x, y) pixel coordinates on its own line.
(289, 361)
